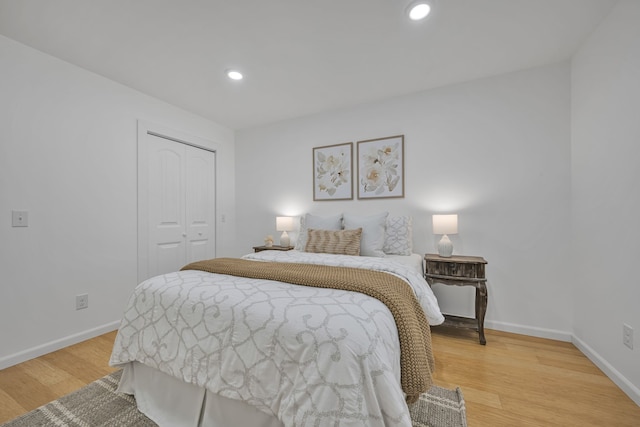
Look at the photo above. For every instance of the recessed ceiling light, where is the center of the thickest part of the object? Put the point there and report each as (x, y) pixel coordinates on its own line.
(234, 75)
(419, 10)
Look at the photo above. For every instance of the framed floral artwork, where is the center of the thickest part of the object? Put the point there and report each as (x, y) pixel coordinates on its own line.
(332, 172)
(381, 167)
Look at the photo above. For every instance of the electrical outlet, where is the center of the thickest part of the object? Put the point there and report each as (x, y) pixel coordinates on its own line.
(627, 335)
(82, 301)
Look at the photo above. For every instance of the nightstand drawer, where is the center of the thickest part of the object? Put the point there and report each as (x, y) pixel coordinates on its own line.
(455, 269)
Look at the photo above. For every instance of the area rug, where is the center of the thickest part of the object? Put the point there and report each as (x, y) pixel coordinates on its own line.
(98, 405)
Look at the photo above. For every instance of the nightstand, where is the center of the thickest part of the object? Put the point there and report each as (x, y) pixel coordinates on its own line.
(272, 248)
(461, 271)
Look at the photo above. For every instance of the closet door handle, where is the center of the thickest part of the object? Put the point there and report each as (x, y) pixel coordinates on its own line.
(184, 234)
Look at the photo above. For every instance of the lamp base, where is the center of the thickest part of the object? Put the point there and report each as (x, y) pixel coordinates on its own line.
(284, 239)
(445, 247)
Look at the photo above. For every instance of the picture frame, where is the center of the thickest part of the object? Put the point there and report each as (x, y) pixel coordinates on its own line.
(333, 172)
(381, 168)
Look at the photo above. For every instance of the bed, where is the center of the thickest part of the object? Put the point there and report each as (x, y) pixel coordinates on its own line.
(215, 349)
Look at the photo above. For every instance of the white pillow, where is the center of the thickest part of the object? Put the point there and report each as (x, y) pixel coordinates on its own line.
(316, 222)
(373, 231)
(399, 236)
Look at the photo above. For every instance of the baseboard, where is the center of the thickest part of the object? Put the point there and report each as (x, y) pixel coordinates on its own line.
(552, 334)
(43, 349)
(614, 375)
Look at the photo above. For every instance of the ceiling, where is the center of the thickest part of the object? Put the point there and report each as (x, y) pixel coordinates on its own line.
(299, 57)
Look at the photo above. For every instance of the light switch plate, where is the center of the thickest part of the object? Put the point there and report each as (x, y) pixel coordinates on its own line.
(19, 218)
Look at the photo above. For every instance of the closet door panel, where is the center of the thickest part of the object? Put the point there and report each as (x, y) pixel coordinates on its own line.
(200, 204)
(166, 199)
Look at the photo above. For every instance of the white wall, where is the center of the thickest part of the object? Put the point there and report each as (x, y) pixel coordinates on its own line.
(606, 195)
(496, 151)
(68, 156)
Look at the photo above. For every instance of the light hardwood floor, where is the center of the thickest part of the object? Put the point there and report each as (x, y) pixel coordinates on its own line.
(514, 380)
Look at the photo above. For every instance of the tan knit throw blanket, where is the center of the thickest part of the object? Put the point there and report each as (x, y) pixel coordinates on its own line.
(416, 357)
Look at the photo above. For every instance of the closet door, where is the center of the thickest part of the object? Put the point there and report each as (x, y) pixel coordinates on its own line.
(167, 205)
(176, 205)
(200, 204)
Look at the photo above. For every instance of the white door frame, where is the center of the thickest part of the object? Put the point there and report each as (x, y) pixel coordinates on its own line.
(144, 129)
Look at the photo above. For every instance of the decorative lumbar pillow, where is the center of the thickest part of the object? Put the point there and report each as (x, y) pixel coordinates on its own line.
(373, 231)
(307, 221)
(398, 236)
(342, 242)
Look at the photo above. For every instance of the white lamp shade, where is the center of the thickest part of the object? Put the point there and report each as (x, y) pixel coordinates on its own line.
(284, 223)
(445, 224)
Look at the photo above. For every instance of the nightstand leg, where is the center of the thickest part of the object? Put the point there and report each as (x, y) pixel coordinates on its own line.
(481, 309)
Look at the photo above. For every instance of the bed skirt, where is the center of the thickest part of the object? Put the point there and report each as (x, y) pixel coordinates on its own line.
(171, 402)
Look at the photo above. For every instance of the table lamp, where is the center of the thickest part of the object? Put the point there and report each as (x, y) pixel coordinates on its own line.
(284, 224)
(445, 224)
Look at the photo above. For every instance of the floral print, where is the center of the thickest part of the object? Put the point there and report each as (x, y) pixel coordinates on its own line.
(380, 166)
(332, 171)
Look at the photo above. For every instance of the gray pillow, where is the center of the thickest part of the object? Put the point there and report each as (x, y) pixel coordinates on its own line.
(307, 221)
(373, 232)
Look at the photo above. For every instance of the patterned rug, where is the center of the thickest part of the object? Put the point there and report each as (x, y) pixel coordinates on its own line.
(98, 405)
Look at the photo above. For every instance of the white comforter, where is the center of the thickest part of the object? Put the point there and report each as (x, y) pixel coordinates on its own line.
(308, 356)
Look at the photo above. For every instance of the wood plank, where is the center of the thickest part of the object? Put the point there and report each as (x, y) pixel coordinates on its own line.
(24, 389)
(9, 407)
